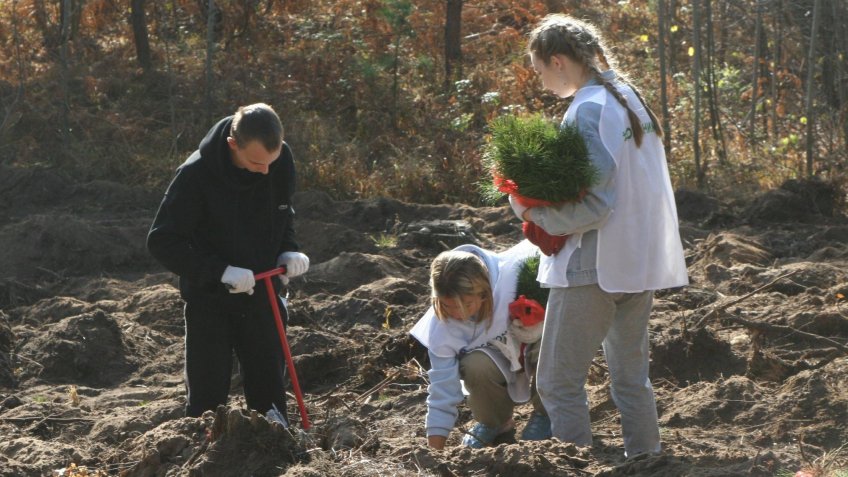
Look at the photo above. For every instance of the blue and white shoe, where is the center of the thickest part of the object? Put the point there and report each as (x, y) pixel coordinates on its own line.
(274, 415)
(480, 436)
(538, 428)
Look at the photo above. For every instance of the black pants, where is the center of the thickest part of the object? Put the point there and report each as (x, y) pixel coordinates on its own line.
(211, 336)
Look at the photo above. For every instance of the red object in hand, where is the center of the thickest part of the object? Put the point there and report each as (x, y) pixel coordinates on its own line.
(508, 186)
(527, 310)
(284, 342)
(548, 244)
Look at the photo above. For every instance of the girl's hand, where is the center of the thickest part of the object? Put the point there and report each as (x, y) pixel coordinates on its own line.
(526, 334)
(437, 442)
(520, 210)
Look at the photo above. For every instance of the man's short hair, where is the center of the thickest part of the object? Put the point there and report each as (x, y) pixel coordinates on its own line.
(257, 122)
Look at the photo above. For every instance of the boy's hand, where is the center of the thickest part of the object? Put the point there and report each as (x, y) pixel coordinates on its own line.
(238, 280)
(296, 264)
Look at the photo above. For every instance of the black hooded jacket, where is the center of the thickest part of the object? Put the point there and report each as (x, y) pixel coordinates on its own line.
(215, 214)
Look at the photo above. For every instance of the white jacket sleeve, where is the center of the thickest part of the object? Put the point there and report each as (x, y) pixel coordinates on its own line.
(445, 395)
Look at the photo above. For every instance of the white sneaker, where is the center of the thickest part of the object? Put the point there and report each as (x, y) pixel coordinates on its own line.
(274, 415)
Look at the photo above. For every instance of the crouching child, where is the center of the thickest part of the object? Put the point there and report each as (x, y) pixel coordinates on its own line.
(475, 347)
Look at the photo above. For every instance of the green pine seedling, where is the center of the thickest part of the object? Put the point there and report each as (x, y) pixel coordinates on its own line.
(546, 161)
(527, 283)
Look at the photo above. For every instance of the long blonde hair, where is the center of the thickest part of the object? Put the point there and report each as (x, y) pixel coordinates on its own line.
(455, 274)
(559, 34)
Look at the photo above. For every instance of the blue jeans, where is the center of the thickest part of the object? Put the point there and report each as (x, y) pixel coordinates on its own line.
(577, 322)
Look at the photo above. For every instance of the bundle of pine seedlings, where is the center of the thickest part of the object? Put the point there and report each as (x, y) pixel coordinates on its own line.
(537, 161)
(530, 298)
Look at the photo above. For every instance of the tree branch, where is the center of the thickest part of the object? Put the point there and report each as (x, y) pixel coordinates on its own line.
(719, 308)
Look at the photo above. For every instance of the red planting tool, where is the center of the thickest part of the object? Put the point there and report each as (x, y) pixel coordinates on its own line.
(272, 297)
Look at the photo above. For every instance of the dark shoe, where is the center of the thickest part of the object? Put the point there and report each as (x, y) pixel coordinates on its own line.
(538, 428)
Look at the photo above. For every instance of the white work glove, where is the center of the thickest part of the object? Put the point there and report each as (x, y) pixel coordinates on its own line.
(517, 208)
(238, 280)
(526, 334)
(296, 264)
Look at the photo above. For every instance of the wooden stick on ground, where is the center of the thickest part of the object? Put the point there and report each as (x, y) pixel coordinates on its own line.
(719, 308)
(388, 379)
(41, 419)
(788, 329)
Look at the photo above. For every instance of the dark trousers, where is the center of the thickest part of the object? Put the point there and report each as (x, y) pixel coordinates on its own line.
(211, 336)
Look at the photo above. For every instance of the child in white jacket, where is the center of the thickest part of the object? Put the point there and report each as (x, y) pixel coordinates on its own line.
(471, 338)
(623, 242)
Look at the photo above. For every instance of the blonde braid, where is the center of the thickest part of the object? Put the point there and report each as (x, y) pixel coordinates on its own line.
(635, 124)
(624, 79)
(657, 127)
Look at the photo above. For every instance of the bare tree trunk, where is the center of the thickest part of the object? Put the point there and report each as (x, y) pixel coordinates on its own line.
(453, 41)
(722, 33)
(670, 20)
(40, 15)
(662, 26)
(138, 19)
(811, 72)
(755, 82)
(10, 107)
(64, 68)
(712, 90)
(775, 67)
(696, 38)
(19, 56)
(75, 18)
(167, 34)
(249, 6)
(395, 80)
(841, 41)
(210, 52)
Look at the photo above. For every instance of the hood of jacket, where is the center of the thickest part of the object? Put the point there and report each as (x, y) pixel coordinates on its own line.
(213, 154)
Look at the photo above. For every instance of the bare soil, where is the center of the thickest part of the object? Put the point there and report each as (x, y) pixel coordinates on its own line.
(749, 362)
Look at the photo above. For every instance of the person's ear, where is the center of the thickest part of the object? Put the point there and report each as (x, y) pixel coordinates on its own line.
(555, 62)
(231, 141)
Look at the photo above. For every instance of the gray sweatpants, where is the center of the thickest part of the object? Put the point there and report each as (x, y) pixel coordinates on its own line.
(578, 320)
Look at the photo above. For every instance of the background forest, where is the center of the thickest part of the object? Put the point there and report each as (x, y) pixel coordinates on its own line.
(378, 96)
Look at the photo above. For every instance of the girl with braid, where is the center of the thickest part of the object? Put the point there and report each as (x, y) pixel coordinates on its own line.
(624, 241)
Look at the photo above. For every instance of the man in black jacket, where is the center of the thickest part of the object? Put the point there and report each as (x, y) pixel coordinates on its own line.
(227, 215)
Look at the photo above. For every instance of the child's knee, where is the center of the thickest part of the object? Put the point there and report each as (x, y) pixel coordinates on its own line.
(477, 367)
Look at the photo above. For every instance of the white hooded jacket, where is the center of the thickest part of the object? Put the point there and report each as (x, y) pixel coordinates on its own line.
(447, 340)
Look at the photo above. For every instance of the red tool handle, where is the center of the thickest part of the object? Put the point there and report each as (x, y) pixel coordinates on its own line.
(272, 297)
(270, 273)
